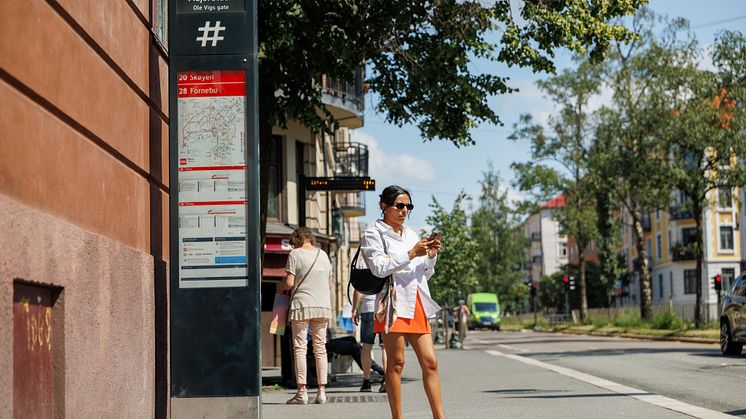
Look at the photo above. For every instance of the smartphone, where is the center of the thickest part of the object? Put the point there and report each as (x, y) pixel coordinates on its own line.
(434, 235)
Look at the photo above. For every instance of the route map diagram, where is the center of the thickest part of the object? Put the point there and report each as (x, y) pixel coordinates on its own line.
(211, 131)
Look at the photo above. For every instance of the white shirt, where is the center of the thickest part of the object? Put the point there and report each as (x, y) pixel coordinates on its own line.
(410, 276)
(368, 304)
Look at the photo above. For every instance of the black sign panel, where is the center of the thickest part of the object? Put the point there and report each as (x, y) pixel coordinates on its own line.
(215, 274)
(340, 184)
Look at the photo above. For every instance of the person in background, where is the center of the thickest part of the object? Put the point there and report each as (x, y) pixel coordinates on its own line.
(364, 318)
(309, 276)
(402, 310)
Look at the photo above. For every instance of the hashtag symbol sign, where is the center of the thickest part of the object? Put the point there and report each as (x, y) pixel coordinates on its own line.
(210, 33)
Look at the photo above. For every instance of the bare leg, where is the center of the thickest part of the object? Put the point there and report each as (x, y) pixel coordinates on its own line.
(423, 348)
(394, 343)
(366, 360)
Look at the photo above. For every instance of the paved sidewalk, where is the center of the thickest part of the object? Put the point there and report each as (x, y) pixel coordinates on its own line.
(475, 385)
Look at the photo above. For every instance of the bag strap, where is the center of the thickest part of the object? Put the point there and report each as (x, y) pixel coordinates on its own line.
(318, 251)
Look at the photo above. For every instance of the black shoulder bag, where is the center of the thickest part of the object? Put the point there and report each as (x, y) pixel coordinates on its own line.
(363, 280)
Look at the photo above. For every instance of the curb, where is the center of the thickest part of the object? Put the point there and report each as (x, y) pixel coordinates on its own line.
(630, 335)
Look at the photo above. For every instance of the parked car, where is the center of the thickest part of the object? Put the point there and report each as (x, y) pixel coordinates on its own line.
(733, 318)
(485, 310)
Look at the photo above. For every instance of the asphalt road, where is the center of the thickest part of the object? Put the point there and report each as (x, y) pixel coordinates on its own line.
(695, 374)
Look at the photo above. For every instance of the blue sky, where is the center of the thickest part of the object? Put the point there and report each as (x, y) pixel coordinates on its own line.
(437, 168)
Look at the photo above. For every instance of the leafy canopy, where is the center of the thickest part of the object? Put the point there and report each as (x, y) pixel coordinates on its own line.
(420, 54)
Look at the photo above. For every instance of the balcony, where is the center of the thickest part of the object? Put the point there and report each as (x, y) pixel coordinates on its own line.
(678, 213)
(351, 204)
(683, 252)
(351, 159)
(345, 100)
(535, 236)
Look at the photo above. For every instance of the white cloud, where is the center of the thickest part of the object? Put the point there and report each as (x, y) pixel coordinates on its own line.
(404, 168)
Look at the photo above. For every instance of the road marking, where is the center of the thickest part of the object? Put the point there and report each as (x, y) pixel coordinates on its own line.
(658, 400)
(505, 346)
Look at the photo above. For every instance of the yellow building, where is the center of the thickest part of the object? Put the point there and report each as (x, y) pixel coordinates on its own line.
(672, 265)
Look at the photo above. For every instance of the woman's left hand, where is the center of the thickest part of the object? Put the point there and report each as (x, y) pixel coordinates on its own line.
(433, 248)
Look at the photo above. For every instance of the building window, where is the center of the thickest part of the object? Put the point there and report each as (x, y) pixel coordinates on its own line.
(658, 214)
(690, 281)
(660, 285)
(726, 237)
(563, 249)
(688, 235)
(669, 242)
(659, 245)
(649, 249)
(275, 178)
(725, 198)
(160, 21)
(728, 275)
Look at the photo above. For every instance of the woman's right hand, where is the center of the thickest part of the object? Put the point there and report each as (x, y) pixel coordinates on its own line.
(420, 248)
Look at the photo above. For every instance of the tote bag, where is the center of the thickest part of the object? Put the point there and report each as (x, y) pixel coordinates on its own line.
(280, 309)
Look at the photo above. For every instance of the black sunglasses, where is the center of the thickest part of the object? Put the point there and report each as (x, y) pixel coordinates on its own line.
(401, 205)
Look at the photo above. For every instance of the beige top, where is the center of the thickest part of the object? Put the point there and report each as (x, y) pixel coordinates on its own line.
(312, 299)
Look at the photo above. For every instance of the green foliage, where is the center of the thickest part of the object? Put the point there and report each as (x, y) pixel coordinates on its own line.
(419, 54)
(627, 320)
(454, 273)
(598, 322)
(500, 244)
(552, 294)
(667, 320)
(560, 154)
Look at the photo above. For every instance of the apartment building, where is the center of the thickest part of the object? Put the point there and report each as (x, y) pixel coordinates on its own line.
(299, 153)
(548, 250)
(667, 236)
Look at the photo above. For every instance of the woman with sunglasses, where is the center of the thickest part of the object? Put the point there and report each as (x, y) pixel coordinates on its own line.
(402, 310)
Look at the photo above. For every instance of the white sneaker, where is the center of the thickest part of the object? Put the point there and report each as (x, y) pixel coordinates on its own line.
(320, 398)
(299, 398)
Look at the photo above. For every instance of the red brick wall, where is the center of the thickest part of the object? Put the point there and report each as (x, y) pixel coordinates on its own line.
(84, 166)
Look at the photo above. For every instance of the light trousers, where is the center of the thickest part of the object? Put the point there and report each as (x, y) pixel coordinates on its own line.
(300, 345)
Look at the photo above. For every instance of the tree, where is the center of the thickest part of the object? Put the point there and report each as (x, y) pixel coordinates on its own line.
(704, 137)
(560, 158)
(454, 273)
(633, 152)
(418, 55)
(499, 241)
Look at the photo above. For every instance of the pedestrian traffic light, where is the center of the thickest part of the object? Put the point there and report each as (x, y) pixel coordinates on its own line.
(566, 282)
(718, 280)
(533, 289)
(572, 283)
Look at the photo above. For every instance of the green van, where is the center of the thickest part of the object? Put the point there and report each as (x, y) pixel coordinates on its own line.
(485, 310)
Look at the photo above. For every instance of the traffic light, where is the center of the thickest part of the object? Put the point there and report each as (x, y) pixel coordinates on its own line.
(718, 283)
(572, 283)
(566, 282)
(533, 288)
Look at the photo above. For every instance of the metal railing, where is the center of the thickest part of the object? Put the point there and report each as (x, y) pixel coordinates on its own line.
(353, 92)
(351, 159)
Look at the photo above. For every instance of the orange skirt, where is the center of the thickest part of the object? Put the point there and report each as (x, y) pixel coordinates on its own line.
(419, 324)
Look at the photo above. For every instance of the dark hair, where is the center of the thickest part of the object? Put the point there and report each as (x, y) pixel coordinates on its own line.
(300, 235)
(388, 196)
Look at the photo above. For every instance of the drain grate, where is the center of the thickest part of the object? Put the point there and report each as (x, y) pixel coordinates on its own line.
(356, 399)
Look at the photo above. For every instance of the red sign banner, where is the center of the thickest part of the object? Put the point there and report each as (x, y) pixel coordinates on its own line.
(211, 83)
